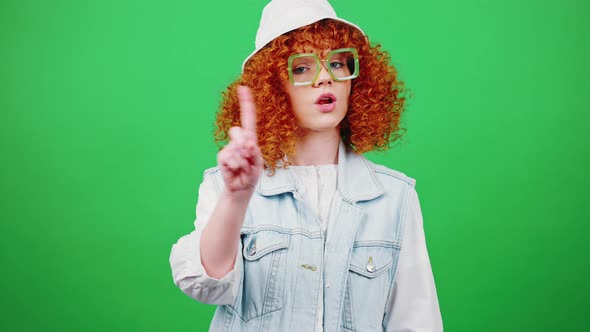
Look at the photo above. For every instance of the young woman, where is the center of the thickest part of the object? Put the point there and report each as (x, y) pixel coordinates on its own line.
(295, 229)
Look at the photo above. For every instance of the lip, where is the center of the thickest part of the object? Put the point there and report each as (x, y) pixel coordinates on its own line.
(326, 107)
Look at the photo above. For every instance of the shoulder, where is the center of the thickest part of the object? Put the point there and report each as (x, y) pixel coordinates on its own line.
(390, 176)
(211, 171)
(212, 179)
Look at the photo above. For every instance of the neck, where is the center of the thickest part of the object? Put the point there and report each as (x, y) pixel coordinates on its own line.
(316, 148)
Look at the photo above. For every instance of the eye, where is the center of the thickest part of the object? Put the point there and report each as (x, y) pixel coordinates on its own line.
(336, 64)
(300, 70)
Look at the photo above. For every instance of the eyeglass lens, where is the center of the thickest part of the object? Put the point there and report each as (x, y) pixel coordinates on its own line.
(340, 65)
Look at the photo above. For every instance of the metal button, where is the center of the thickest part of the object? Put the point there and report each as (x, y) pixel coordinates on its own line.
(327, 285)
(370, 265)
(252, 250)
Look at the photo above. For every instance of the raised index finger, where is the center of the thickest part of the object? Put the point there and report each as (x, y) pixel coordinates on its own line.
(247, 109)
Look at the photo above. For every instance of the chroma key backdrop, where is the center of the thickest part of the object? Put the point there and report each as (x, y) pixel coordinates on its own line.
(106, 119)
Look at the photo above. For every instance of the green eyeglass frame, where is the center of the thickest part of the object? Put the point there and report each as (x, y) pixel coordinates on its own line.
(329, 56)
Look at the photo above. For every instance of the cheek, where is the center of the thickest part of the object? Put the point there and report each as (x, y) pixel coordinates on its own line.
(296, 98)
(346, 94)
(292, 94)
(294, 105)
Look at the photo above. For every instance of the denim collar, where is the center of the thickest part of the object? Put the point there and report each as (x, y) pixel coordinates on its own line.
(356, 178)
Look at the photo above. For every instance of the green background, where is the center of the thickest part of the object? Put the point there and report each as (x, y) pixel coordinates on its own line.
(107, 111)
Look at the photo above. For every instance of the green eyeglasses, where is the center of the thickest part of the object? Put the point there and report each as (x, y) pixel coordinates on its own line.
(342, 64)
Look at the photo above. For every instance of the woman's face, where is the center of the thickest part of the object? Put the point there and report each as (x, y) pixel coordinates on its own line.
(321, 106)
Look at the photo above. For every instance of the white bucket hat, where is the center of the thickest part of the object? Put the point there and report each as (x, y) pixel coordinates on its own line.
(282, 16)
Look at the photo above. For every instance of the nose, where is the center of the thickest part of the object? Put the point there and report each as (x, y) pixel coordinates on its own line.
(324, 77)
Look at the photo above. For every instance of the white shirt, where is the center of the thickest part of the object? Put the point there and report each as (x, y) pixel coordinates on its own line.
(318, 185)
(414, 307)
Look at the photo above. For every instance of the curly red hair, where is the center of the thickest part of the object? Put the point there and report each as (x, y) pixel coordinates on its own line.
(376, 99)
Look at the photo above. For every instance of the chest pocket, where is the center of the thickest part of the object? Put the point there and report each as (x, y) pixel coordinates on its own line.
(369, 278)
(263, 284)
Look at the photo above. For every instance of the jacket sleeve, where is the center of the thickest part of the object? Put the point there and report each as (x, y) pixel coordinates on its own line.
(413, 305)
(188, 272)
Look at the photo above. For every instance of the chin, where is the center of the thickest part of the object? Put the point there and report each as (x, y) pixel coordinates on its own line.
(323, 126)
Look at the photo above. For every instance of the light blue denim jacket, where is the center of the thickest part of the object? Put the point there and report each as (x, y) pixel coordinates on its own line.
(286, 258)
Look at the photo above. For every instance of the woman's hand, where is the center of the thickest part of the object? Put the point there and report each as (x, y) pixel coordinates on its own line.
(241, 160)
(241, 165)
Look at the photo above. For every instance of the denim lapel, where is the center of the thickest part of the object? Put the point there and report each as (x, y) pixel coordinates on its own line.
(356, 177)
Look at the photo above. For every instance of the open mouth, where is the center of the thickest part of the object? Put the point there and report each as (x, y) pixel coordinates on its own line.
(326, 98)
